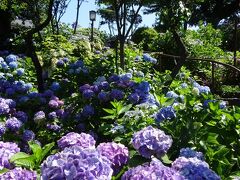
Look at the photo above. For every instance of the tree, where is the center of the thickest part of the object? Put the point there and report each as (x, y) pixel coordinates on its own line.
(123, 9)
(59, 9)
(79, 3)
(40, 13)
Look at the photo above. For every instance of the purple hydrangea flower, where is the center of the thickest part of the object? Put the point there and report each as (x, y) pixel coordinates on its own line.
(2, 129)
(88, 94)
(117, 153)
(88, 111)
(165, 113)
(53, 104)
(184, 85)
(19, 174)
(76, 163)
(153, 170)
(151, 141)
(189, 153)
(28, 135)
(104, 85)
(7, 149)
(116, 94)
(11, 103)
(52, 115)
(84, 140)
(114, 78)
(39, 117)
(13, 124)
(193, 168)
(4, 108)
(84, 87)
(53, 127)
(22, 116)
(103, 96)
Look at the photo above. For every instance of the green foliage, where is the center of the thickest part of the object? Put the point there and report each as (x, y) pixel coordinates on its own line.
(34, 160)
(82, 49)
(145, 37)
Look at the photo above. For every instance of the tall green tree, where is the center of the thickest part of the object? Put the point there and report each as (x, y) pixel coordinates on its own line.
(124, 13)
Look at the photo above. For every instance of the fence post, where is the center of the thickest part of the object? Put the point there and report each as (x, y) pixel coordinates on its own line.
(213, 83)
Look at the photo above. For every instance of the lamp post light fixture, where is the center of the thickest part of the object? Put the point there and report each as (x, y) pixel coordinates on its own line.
(92, 16)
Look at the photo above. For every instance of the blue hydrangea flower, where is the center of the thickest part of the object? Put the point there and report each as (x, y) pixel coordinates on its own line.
(28, 135)
(13, 65)
(154, 170)
(165, 113)
(53, 127)
(84, 87)
(13, 124)
(4, 108)
(53, 104)
(171, 94)
(189, 153)
(48, 93)
(204, 89)
(23, 99)
(193, 168)
(19, 174)
(20, 71)
(55, 86)
(143, 87)
(60, 63)
(4, 66)
(22, 116)
(84, 140)
(114, 78)
(104, 85)
(151, 141)
(11, 103)
(88, 111)
(10, 91)
(116, 94)
(126, 77)
(76, 163)
(11, 58)
(222, 104)
(184, 85)
(134, 98)
(139, 74)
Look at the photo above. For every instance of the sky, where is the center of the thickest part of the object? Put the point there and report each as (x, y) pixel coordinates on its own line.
(70, 16)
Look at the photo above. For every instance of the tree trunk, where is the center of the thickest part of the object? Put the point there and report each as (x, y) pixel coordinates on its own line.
(32, 53)
(121, 51)
(76, 22)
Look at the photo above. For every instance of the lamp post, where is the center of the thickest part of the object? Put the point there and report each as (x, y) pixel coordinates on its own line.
(92, 16)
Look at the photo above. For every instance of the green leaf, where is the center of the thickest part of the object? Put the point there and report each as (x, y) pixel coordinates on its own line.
(4, 170)
(19, 155)
(168, 102)
(109, 117)
(36, 149)
(221, 152)
(110, 111)
(212, 138)
(136, 160)
(125, 109)
(28, 162)
(165, 159)
(46, 149)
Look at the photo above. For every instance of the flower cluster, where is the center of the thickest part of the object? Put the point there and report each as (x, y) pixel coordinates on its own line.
(148, 58)
(77, 68)
(7, 149)
(193, 168)
(151, 141)
(116, 153)
(189, 153)
(153, 170)
(19, 174)
(84, 140)
(165, 113)
(75, 163)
